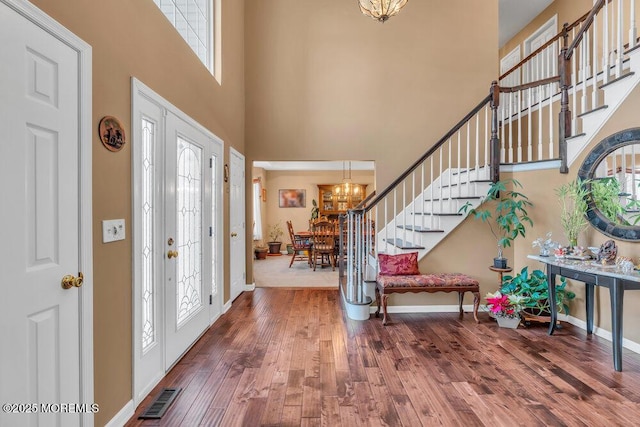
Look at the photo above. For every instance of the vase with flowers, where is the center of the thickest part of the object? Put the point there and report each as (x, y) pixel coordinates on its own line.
(505, 308)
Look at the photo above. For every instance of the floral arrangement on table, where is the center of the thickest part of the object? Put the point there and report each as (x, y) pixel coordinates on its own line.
(545, 244)
(503, 305)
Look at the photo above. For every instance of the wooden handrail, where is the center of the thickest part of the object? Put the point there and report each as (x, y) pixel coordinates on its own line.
(587, 24)
(506, 89)
(544, 46)
(428, 154)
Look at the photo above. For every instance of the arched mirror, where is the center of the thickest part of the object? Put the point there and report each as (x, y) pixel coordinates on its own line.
(611, 172)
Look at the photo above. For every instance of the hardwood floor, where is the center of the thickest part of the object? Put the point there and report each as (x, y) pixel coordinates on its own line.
(289, 357)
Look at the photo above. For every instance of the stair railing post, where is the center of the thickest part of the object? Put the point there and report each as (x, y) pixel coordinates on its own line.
(564, 119)
(495, 141)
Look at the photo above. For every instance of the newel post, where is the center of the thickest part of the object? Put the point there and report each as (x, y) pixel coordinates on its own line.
(495, 142)
(564, 119)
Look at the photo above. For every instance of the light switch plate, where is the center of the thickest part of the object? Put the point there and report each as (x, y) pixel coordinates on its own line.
(112, 230)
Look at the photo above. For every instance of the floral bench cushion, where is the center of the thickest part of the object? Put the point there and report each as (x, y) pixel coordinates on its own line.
(434, 280)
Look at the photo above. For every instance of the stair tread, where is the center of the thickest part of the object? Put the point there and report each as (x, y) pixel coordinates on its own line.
(399, 243)
(575, 136)
(454, 198)
(420, 229)
(602, 107)
(617, 79)
(438, 213)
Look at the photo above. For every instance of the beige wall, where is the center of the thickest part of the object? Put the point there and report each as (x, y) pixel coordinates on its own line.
(309, 181)
(133, 38)
(540, 187)
(326, 83)
(567, 10)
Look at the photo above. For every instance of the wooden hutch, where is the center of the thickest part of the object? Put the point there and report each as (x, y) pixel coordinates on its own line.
(333, 204)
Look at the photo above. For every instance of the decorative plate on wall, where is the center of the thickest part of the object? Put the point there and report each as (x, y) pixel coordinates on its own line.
(111, 133)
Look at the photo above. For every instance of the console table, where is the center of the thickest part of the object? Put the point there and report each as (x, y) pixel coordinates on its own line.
(592, 275)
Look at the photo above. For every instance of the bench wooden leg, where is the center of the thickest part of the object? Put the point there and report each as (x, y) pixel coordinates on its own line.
(460, 299)
(378, 301)
(384, 309)
(476, 304)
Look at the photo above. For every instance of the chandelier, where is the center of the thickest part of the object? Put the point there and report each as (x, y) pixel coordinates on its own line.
(381, 10)
(347, 187)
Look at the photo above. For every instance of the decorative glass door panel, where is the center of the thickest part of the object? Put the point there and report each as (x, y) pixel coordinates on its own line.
(189, 230)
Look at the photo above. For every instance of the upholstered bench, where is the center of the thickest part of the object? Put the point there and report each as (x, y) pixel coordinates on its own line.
(392, 279)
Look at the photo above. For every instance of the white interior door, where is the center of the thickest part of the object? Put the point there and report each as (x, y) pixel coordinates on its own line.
(237, 268)
(41, 321)
(177, 174)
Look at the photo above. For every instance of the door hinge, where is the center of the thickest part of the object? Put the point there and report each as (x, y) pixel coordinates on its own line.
(210, 299)
(211, 163)
(210, 231)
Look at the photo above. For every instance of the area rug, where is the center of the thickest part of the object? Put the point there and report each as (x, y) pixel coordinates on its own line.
(275, 272)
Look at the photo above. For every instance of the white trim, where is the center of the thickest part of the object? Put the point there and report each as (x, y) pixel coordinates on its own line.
(601, 332)
(227, 306)
(250, 287)
(551, 23)
(84, 52)
(139, 89)
(122, 416)
(533, 166)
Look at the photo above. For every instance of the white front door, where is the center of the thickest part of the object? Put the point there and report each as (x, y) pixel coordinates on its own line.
(177, 175)
(237, 267)
(187, 274)
(45, 277)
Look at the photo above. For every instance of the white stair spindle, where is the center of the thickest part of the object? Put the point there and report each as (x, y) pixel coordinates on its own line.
(458, 165)
(486, 137)
(619, 40)
(510, 100)
(583, 86)
(450, 166)
(468, 164)
(386, 222)
(552, 126)
(502, 132)
(519, 153)
(539, 90)
(633, 171)
(431, 181)
(606, 28)
(441, 174)
(574, 94)
(404, 212)
(477, 145)
(594, 73)
(633, 31)
(422, 195)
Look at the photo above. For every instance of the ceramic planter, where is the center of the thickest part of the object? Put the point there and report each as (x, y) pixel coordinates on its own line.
(508, 322)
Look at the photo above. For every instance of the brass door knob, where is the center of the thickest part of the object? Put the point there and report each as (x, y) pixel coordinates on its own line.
(70, 281)
(234, 234)
(172, 254)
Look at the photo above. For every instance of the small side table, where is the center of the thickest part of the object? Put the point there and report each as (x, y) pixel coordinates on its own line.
(500, 272)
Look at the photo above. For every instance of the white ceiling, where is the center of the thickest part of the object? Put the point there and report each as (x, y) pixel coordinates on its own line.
(514, 15)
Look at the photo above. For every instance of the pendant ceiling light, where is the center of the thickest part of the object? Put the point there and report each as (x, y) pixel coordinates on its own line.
(347, 187)
(381, 10)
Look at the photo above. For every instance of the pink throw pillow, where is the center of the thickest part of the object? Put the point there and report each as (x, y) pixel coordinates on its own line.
(398, 265)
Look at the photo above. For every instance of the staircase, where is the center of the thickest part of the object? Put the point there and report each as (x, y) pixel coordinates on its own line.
(517, 126)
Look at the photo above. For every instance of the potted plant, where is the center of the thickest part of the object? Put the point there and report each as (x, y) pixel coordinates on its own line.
(275, 234)
(505, 308)
(508, 208)
(315, 210)
(260, 250)
(534, 292)
(573, 202)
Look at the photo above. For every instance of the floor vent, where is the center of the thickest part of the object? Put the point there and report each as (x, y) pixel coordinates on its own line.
(161, 403)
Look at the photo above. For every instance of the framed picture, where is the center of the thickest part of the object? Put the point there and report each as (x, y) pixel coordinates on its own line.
(292, 198)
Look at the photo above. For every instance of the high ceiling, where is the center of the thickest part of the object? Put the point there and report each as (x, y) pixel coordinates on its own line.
(514, 15)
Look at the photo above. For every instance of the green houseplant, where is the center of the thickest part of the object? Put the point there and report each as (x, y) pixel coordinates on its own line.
(315, 210)
(505, 213)
(606, 194)
(573, 202)
(275, 236)
(534, 292)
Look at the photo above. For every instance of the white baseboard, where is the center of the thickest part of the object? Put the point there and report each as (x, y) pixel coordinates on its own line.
(226, 307)
(250, 286)
(603, 333)
(122, 416)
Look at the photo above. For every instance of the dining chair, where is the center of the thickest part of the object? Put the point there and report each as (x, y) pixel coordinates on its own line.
(301, 247)
(323, 244)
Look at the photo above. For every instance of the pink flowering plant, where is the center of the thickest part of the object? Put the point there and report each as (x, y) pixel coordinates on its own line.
(503, 305)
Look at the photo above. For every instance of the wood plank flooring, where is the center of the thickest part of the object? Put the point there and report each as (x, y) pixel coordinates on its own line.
(290, 357)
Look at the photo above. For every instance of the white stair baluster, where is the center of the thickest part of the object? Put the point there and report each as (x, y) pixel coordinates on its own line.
(574, 93)
(594, 73)
(458, 165)
(510, 100)
(486, 137)
(468, 164)
(619, 40)
(633, 31)
(477, 146)
(552, 127)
